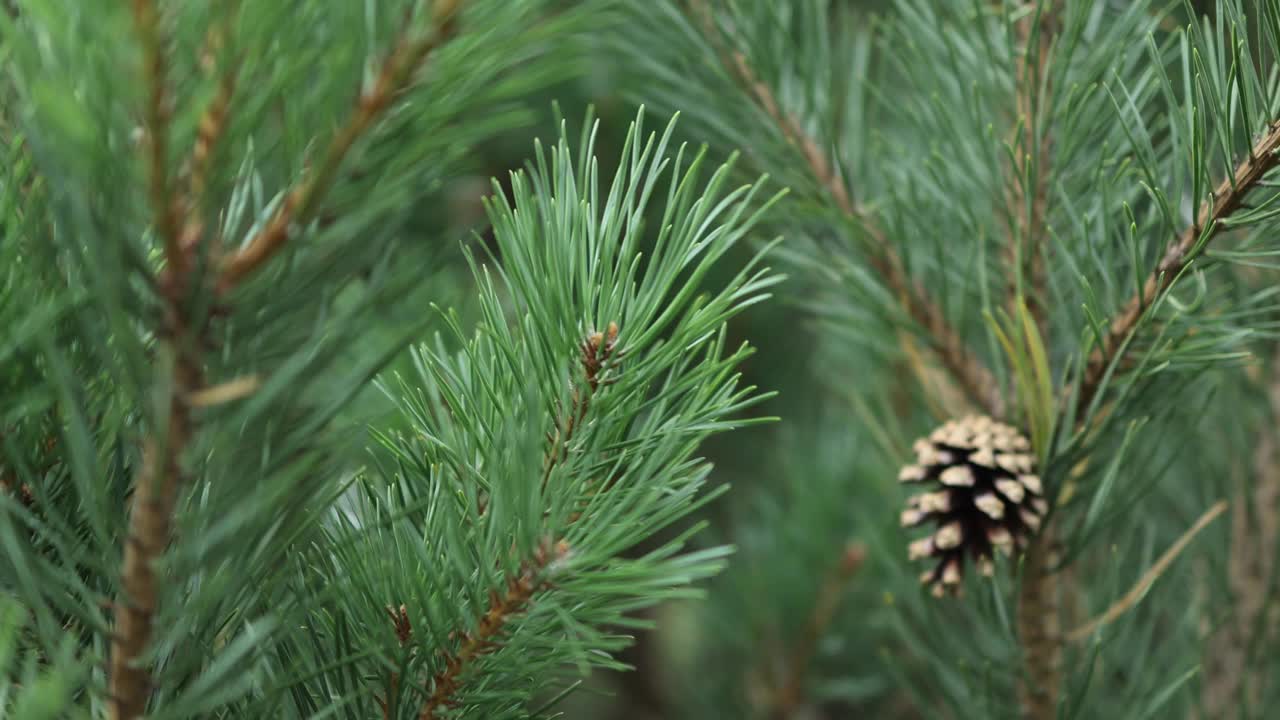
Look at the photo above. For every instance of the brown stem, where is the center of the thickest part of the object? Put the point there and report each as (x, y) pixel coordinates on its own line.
(1226, 199)
(301, 202)
(964, 366)
(1028, 181)
(594, 355)
(209, 131)
(790, 694)
(1039, 630)
(155, 492)
(404, 633)
(155, 489)
(486, 636)
(1027, 190)
(213, 121)
(156, 133)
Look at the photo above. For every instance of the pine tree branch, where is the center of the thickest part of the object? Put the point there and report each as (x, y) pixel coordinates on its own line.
(790, 695)
(214, 120)
(156, 118)
(485, 638)
(305, 198)
(404, 633)
(1028, 181)
(964, 366)
(155, 488)
(1027, 189)
(1039, 629)
(595, 353)
(155, 492)
(1226, 199)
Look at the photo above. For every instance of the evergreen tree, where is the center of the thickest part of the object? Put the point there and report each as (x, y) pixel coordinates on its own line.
(285, 431)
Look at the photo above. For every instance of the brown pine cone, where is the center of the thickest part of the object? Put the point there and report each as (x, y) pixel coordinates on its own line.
(986, 496)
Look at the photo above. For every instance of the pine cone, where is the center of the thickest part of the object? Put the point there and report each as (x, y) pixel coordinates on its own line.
(989, 497)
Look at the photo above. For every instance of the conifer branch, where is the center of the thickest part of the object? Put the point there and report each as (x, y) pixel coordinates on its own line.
(1039, 627)
(964, 366)
(404, 633)
(595, 353)
(301, 202)
(214, 120)
(789, 697)
(1028, 181)
(485, 638)
(155, 493)
(156, 116)
(1226, 199)
(155, 488)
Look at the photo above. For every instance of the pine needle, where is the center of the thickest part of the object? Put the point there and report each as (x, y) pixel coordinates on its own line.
(1148, 578)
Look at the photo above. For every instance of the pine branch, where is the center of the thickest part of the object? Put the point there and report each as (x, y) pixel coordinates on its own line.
(155, 495)
(156, 117)
(214, 120)
(155, 489)
(964, 366)
(485, 638)
(1226, 199)
(304, 199)
(1028, 182)
(596, 352)
(404, 633)
(1039, 627)
(789, 697)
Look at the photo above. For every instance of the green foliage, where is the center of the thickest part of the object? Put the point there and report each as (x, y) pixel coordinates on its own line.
(413, 483)
(914, 115)
(535, 456)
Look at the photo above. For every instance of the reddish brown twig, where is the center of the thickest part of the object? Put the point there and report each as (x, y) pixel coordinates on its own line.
(155, 489)
(155, 493)
(404, 633)
(156, 133)
(214, 120)
(300, 203)
(789, 697)
(1226, 199)
(963, 365)
(485, 638)
(595, 353)
(209, 131)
